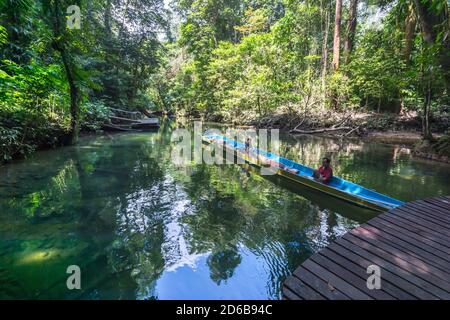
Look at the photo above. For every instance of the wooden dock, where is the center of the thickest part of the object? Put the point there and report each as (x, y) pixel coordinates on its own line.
(123, 120)
(410, 245)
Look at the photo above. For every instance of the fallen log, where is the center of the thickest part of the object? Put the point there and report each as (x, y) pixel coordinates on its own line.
(319, 130)
(299, 125)
(341, 123)
(351, 131)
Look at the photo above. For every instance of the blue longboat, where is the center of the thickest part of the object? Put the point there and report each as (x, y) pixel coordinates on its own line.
(299, 173)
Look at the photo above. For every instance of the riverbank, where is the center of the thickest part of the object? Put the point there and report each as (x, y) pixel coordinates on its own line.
(383, 128)
(388, 128)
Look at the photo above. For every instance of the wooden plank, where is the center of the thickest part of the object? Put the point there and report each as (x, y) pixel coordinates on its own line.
(373, 239)
(406, 226)
(433, 239)
(435, 213)
(289, 295)
(300, 289)
(439, 203)
(444, 201)
(401, 263)
(336, 282)
(434, 205)
(421, 219)
(318, 284)
(409, 241)
(411, 284)
(414, 292)
(417, 226)
(431, 225)
(427, 281)
(358, 282)
(391, 291)
(418, 212)
(410, 244)
(412, 247)
(429, 210)
(439, 240)
(123, 119)
(415, 238)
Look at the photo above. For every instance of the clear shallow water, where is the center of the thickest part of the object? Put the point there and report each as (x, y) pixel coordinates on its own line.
(141, 228)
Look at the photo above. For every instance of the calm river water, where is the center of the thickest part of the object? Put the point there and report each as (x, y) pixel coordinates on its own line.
(140, 227)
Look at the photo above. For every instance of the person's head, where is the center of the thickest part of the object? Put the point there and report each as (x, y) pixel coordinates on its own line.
(326, 162)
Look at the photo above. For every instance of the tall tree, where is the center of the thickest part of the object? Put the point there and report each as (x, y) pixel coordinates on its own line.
(434, 23)
(337, 35)
(54, 12)
(410, 26)
(351, 29)
(326, 27)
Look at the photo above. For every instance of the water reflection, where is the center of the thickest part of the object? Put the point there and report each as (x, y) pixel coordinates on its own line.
(141, 228)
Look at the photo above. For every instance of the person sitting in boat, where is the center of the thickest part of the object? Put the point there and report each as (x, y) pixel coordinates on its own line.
(325, 172)
(247, 144)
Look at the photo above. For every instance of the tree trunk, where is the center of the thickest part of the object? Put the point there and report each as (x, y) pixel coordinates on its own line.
(410, 26)
(351, 29)
(325, 53)
(427, 20)
(107, 18)
(426, 129)
(164, 106)
(379, 105)
(337, 35)
(60, 46)
(409, 34)
(74, 94)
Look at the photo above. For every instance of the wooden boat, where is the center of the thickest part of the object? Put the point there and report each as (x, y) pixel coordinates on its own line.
(146, 124)
(337, 187)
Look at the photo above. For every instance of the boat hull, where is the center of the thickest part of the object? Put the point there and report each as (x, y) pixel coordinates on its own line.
(306, 181)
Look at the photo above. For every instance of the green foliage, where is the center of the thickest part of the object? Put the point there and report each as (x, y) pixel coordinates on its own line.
(93, 115)
(54, 79)
(33, 107)
(279, 60)
(236, 60)
(273, 67)
(377, 69)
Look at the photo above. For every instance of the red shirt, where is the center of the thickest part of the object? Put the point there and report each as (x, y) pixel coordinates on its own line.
(327, 173)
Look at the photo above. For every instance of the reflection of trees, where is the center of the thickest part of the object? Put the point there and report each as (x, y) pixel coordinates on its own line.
(132, 177)
(279, 226)
(383, 168)
(108, 192)
(222, 264)
(309, 150)
(119, 208)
